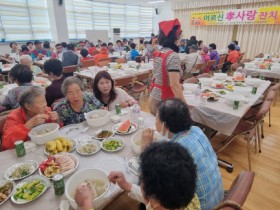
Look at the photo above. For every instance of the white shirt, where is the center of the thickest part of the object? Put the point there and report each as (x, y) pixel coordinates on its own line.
(136, 193)
(191, 59)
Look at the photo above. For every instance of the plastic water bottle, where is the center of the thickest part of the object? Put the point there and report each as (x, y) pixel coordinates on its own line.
(136, 112)
(198, 92)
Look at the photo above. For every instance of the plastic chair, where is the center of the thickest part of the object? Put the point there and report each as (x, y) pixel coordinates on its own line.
(197, 69)
(209, 64)
(88, 63)
(125, 83)
(141, 83)
(2, 123)
(221, 62)
(69, 70)
(237, 194)
(120, 60)
(249, 130)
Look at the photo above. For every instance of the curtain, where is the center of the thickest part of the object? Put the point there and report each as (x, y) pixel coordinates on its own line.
(220, 35)
(254, 39)
(188, 4)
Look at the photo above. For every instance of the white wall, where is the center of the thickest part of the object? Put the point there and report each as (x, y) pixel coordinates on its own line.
(165, 12)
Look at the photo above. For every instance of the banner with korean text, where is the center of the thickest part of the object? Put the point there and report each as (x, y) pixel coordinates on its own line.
(264, 15)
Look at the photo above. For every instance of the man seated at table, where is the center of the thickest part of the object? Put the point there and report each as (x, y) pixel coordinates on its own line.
(22, 76)
(133, 53)
(148, 50)
(33, 111)
(119, 48)
(85, 57)
(111, 47)
(191, 59)
(70, 58)
(27, 60)
(173, 121)
(29, 45)
(167, 180)
(53, 68)
(49, 51)
(38, 53)
(59, 50)
(182, 47)
(103, 54)
(82, 44)
(232, 58)
(125, 45)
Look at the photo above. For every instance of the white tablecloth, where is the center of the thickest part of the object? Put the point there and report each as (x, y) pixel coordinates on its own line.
(115, 73)
(262, 72)
(102, 160)
(219, 115)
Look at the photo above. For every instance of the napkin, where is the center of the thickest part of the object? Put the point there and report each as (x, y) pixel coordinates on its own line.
(64, 205)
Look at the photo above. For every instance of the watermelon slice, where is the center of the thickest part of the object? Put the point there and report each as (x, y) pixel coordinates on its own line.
(124, 127)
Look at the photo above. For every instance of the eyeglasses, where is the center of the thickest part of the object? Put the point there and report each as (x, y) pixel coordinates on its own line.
(77, 92)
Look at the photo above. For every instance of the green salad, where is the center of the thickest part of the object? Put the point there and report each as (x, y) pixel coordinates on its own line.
(112, 145)
(29, 191)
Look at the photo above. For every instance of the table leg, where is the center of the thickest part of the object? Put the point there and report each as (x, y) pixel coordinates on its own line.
(210, 133)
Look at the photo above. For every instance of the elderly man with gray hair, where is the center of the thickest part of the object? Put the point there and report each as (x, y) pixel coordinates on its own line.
(27, 60)
(191, 59)
(71, 109)
(33, 111)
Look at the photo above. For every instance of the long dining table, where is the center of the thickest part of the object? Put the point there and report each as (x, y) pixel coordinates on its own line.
(90, 72)
(102, 160)
(219, 115)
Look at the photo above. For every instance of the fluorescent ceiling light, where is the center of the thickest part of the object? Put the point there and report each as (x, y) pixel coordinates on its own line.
(154, 2)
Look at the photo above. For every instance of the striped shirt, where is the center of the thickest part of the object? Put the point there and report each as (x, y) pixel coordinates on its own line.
(209, 186)
(173, 63)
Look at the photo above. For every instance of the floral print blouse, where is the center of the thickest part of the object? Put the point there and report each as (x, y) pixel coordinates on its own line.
(68, 116)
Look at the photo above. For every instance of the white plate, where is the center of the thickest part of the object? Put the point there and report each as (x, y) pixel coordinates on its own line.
(2, 183)
(66, 173)
(132, 129)
(33, 167)
(116, 139)
(44, 180)
(100, 130)
(97, 144)
(74, 143)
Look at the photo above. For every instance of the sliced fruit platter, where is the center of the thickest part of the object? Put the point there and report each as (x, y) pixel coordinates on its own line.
(63, 163)
(21, 170)
(30, 189)
(218, 86)
(6, 190)
(60, 144)
(125, 128)
(239, 78)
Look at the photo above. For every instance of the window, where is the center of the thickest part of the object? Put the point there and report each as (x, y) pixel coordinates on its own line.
(134, 21)
(23, 20)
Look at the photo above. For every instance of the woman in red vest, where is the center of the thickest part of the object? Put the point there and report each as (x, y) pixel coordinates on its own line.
(167, 66)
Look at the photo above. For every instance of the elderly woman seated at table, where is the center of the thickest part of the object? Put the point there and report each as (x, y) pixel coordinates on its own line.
(22, 76)
(33, 111)
(76, 102)
(174, 122)
(27, 60)
(106, 92)
(167, 180)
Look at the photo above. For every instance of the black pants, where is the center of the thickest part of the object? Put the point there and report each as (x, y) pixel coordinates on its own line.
(226, 66)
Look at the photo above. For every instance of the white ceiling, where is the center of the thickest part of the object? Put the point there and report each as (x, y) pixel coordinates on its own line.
(134, 2)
